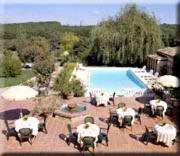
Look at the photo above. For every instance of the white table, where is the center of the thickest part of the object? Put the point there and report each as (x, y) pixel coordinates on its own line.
(102, 99)
(92, 131)
(31, 123)
(155, 103)
(122, 112)
(165, 133)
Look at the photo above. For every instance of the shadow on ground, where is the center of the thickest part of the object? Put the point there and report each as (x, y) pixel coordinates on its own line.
(13, 114)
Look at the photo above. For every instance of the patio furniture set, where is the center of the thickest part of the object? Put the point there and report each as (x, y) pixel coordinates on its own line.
(124, 116)
(164, 133)
(25, 128)
(157, 107)
(97, 97)
(89, 134)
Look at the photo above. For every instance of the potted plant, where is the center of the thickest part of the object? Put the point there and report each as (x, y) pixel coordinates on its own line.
(77, 88)
(67, 92)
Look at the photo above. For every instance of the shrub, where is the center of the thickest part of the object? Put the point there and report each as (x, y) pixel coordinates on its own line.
(77, 88)
(28, 49)
(11, 66)
(44, 65)
(65, 85)
(66, 90)
(64, 77)
(29, 53)
(62, 83)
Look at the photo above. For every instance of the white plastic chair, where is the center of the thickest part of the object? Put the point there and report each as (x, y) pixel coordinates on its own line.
(151, 71)
(156, 74)
(144, 68)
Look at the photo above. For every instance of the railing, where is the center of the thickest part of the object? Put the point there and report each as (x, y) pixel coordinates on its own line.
(123, 92)
(135, 92)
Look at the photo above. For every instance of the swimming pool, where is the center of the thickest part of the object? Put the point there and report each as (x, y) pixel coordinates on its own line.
(114, 79)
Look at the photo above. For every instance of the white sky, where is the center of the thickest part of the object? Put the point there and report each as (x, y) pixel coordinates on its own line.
(87, 1)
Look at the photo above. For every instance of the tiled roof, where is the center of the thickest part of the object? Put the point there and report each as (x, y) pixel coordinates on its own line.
(169, 51)
(157, 57)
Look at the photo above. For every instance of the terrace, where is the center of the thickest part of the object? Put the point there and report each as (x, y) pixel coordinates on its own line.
(108, 106)
(119, 139)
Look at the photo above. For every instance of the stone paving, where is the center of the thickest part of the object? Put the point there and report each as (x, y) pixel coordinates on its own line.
(119, 139)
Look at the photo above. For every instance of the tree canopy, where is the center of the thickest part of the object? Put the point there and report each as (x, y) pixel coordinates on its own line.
(169, 34)
(125, 39)
(31, 48)
(68, 41)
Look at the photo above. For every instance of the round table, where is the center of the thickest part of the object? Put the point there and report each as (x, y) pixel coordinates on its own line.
(122, 112)
(31, 123)
(165, 133)
(155, 103)
(92, 131)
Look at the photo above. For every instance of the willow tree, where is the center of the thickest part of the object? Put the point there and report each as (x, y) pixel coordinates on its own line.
(125, 39)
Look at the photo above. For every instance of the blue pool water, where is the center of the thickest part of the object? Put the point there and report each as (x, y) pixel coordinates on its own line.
(111, 80)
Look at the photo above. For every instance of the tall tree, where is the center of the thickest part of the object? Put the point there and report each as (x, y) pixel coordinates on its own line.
(29, 49)
(67, 43)
(125, 39)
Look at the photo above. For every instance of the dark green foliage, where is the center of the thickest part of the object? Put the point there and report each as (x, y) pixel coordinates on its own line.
(169, 34)
(81, 50)
(43, 29)
(11, 66)
(31, 48)
(21, 37)
(177, 64)
(77, 88)
(126, 39)
(49, 30)
(62, 83)
(67, 86)
(10, 44)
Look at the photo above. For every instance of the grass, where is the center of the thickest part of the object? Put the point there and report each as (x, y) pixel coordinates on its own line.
(11, 81)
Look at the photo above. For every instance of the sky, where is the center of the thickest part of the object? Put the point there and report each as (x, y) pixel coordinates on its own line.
(76, 12)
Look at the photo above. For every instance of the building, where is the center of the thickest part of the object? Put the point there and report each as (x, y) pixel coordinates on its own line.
(162, 61)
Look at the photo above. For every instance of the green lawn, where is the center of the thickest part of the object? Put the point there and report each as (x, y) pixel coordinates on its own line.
(11, 81)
